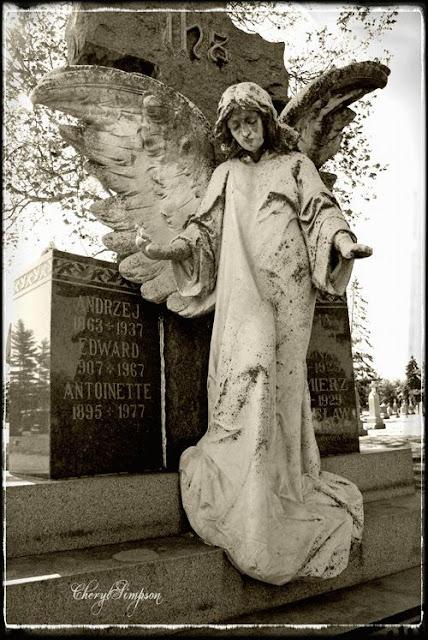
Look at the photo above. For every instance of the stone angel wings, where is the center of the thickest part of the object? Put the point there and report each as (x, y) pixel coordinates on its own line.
(154, 149)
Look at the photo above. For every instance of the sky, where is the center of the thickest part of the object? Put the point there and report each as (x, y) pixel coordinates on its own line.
(394, 225)
(392, 279)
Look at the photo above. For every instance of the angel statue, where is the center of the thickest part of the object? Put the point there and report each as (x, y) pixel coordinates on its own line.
(257, 237)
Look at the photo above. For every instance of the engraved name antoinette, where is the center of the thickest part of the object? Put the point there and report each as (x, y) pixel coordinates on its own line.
(112, 365)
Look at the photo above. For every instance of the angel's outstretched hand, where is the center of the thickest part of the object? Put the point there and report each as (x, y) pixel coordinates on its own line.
(179, 250)
(349, 249)
(146, 245)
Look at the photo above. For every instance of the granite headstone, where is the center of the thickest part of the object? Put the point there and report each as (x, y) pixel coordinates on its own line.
(186, 349)
(85, 391)
(331, 379)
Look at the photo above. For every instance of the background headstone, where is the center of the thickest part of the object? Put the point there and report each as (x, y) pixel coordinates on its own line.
(384, 411)
(404, 409)
(85, 391)
(374, 420)
(395, 408)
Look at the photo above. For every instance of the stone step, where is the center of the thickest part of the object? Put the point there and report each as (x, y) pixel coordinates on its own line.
(195, 582)
(395, 599)
(44, 516)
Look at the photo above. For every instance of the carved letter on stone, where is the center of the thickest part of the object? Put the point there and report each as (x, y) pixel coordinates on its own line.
(192, 46)
(168, 30)
(217, 52)
(190, 37)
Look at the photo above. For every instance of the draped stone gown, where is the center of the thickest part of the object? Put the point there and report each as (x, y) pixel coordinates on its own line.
(262, 240)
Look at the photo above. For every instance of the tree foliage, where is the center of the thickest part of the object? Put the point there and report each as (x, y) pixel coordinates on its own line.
(389, 390)
(364, 371)
(312, 48)
(40, 170)
(413, 384)
(23, 377)
(28, 387)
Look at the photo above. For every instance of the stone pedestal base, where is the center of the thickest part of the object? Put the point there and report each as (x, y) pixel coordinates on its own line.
(62, 533)
(375, 423)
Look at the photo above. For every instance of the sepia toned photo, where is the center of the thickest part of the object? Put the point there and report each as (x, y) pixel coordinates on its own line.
(213, 362)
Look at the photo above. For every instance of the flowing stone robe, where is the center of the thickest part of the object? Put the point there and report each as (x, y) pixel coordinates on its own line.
(252, 485)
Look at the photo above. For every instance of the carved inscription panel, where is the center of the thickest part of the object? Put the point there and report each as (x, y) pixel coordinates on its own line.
(109, 374)
(90, 400)
(331, 380)
(107, 384)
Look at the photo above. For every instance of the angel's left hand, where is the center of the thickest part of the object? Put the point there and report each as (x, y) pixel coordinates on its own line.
(349, 249)
(178, 250)
(150, 249)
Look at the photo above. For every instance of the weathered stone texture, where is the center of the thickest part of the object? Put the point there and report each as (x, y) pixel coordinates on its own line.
(199, 53)
(95, 406)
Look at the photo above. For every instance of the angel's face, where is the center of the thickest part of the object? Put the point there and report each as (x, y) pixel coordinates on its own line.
(246, 127)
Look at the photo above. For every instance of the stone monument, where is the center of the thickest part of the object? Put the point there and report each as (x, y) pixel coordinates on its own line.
(193, 47)
(92, 403)
(177, 565)
(384, 411)
(331, 380)
(395, 407)
(200, 53)
(374, 420)
(404, 409)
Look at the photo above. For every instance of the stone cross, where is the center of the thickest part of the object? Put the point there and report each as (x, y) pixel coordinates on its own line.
(192, 47)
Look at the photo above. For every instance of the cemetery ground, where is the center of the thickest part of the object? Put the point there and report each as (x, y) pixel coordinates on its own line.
(403, 431)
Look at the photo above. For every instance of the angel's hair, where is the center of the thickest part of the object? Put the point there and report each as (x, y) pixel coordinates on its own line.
(248, 95)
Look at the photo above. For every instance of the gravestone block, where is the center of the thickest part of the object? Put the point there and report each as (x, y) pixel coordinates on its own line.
(92, 403)
(331, 380)
(186, 349)
(197, 52)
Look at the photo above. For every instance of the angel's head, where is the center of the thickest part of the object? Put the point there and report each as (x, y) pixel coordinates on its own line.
(247, 121)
